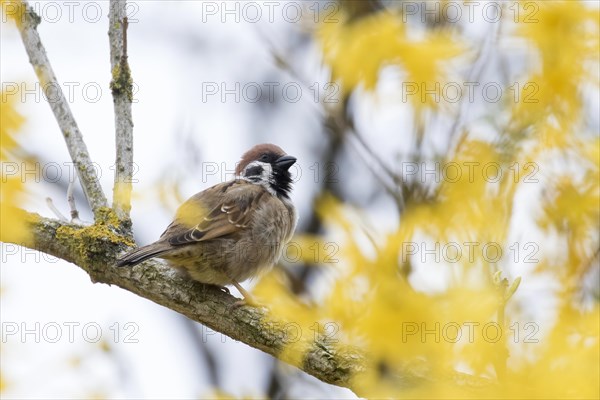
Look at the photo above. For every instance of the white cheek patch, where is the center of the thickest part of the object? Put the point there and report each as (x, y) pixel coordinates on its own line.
(267, 174)
(266, 177)
(266, 170)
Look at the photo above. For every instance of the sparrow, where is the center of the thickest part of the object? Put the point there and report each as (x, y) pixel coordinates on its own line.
(234, 230)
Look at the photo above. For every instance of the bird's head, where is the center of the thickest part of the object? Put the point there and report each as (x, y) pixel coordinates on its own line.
(267, 165)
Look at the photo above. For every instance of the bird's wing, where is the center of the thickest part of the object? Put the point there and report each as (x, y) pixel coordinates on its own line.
(224, 209)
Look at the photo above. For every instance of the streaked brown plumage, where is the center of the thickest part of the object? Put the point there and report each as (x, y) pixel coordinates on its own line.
(231, 231)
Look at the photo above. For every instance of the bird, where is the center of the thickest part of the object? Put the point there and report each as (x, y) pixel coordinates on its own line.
(234, 230)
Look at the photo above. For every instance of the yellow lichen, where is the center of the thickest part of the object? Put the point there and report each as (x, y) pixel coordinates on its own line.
(122, 82)
(91, 241)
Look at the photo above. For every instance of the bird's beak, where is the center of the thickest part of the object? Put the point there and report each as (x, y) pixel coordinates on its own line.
(285, 162)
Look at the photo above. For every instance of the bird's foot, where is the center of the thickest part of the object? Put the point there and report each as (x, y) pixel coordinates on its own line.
(248, 299)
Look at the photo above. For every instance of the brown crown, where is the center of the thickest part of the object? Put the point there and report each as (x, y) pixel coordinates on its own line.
(254, 154)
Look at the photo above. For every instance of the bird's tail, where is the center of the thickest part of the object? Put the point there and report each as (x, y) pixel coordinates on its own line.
(141, 254)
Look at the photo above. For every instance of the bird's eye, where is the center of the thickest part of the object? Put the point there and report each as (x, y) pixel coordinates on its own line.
(264, 157)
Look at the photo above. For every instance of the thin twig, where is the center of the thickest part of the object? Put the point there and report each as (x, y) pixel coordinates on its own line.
(390, 188)
(122, 91)
(71, 201)
(27, 25)
(55, 210)
(395, 187)
(502, 350)
(321, 105)
(376, 158)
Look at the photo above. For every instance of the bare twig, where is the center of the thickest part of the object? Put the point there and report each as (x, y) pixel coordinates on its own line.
(55, 210)
(321, 105)
(501, 349)
(376, 157)
(71, 201)
(505, 292)
(121, 86)
(395, 187)
(587, 263)
(27, 26)
(390, 187)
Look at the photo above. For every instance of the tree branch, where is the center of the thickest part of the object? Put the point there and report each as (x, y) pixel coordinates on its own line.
(122, 91)
(27, 24)
(94, 249)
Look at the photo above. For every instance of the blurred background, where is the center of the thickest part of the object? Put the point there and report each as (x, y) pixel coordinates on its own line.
(374, 98)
